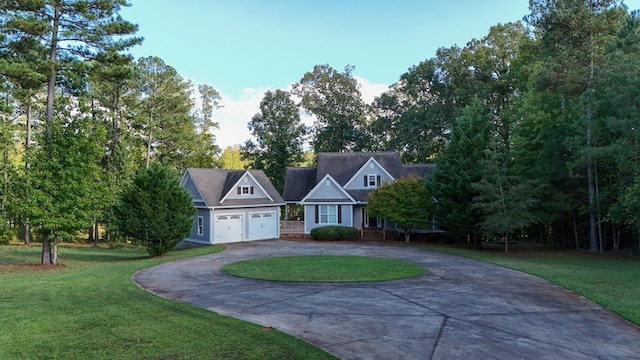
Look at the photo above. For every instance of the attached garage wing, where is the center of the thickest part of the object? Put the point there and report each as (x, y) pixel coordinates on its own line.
(228, 228)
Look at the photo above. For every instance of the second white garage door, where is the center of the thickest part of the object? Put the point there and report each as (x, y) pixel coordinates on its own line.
(263, 225)
(228, 228)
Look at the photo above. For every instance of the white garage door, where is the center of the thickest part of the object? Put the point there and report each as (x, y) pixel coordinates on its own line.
(228, 228)
(263, 225)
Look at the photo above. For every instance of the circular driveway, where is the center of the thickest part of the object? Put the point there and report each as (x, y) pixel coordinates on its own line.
(459, 309)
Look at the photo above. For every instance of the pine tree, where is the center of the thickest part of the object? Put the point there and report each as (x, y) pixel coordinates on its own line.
(459, 168)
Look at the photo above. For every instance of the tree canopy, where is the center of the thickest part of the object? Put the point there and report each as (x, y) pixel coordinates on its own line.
(406, 202)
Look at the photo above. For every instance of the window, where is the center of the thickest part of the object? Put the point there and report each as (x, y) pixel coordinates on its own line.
(328, 214)
(371, 181)
(245, 190)
(200, 225)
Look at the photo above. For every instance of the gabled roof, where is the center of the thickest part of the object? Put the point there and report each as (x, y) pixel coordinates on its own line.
(328, 180)
(214, 184)
(343, 166)
(298, 182)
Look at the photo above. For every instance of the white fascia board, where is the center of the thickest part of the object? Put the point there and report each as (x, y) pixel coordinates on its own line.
(253, 181)
(361, 171)
(257, 183)
(320, 183)
(183, 183)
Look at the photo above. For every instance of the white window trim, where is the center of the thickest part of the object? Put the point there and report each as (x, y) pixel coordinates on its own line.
(200, 225)
(328, 214)
(245, 190)
(373, 177)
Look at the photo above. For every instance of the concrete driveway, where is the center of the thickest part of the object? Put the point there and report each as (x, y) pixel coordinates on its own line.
(459, 309)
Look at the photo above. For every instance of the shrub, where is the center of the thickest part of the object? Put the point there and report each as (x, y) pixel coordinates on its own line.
(334, 232)
(155, 210)
(6, 233)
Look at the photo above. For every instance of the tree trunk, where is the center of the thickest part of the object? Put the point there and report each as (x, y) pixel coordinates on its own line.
(96, 233)
(27, 166)
(506, 243)
(593, 235)
(575, 231)
(51, 90)
(55, 251)
(27, 232)
(46, 249)
(149, 142)
(90, 234)
(407, 236)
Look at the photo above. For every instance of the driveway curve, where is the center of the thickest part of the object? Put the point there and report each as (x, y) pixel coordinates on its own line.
(459, 309)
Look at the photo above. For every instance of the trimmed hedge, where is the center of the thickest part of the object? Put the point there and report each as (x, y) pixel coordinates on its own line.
(334, 232)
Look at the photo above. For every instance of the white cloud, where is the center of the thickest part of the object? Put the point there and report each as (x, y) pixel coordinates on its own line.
(369, 90)
(237, 112)
(235, 115)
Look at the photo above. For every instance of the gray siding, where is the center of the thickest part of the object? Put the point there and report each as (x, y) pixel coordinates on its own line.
(191, 188)
(358, 179)
(206, 226)
(327, 190)
(310, 217)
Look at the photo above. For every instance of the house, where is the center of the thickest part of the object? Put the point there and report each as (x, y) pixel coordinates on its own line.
(232, 205)
(335, 192)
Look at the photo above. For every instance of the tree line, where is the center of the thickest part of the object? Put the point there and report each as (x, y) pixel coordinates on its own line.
(533, 128)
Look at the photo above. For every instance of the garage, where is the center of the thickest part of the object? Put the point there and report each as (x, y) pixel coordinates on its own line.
(228, 228)
(263, 225)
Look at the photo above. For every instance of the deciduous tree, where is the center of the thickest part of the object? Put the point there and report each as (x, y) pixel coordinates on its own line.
(279, 137)
(406, 202)
(62, 34)
(336, 102)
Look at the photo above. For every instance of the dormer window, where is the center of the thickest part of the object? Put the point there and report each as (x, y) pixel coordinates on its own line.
(371, 181)
(245, 190)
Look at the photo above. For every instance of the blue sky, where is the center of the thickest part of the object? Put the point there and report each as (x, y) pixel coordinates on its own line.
(245, 47)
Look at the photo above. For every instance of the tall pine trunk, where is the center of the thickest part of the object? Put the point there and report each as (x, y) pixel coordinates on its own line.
(51, 89)
(27, 166)
(593, 235)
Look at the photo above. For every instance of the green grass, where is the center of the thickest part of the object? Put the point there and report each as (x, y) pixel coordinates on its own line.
(89, 308)
(611, 280)
(323, 268)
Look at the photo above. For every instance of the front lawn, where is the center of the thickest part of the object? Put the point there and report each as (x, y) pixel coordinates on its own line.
(611, 280)
(89, 308)
(323, 268)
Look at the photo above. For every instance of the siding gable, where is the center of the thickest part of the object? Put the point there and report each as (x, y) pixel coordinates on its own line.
(192, 188)
(371, 173)
(247, 187)
(327, 189)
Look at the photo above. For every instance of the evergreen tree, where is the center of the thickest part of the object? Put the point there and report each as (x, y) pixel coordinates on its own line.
(573, 35)
(154, 210)
(459, 168)
(505, 200)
